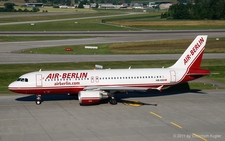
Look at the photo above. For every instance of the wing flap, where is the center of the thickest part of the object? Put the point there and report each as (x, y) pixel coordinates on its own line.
(116, 88)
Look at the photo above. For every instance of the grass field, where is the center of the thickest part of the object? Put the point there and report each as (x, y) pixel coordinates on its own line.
(151, 47)
(30, 17)
(171, 25)
(140, 21)
(94, 24)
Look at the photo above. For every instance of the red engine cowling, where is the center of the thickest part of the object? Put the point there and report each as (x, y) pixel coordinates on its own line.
(90, 97)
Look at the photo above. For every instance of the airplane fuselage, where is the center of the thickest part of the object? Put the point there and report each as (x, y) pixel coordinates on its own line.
(73, 81)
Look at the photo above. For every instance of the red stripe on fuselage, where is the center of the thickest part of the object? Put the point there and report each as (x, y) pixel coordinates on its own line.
(72, 89)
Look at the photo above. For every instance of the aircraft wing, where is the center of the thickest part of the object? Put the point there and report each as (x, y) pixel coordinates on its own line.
(116, 88)
(120, 88)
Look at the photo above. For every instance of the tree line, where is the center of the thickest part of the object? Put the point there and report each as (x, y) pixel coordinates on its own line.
(9, 7)
(200, 9)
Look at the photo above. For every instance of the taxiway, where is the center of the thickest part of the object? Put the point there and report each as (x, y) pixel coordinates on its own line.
(9, 50)
(182, 116)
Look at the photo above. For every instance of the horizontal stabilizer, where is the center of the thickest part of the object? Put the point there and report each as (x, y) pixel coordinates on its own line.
(198, 72)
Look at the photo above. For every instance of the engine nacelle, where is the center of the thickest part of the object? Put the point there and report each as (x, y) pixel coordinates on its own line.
(90, 97)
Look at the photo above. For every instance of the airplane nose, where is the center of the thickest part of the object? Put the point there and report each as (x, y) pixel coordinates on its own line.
(12, 86)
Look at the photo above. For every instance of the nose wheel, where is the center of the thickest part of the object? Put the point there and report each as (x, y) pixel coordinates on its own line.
(38, 100)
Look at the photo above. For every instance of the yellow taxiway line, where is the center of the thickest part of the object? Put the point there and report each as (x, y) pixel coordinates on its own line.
(176, 125)
(196, 135)
(156, 115)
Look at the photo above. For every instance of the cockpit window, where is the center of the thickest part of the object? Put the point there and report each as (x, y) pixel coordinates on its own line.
(18, 79)
(22, 79)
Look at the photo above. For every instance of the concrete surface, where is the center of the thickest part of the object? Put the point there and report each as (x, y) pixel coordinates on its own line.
(179, 116)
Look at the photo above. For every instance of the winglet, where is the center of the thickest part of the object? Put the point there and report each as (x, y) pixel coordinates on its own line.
(192, 57)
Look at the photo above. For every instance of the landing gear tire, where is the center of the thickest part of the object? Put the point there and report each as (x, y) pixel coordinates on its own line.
(38, 102)
(38, 99)
(112, 101)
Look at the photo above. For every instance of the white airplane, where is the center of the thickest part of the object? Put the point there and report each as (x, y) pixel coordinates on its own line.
(95, 85)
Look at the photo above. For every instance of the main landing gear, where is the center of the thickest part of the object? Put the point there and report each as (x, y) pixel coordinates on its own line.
(112, 99)
(38, 99)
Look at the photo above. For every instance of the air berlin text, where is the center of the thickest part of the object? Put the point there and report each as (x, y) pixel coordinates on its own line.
(67, 75)
(66, 83)
(193, 50)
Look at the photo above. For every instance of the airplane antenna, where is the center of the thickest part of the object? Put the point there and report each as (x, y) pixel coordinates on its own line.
(40, 70)
(98, 66)
(129, 67)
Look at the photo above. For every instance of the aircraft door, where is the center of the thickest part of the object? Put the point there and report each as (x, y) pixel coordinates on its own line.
(38, 80)
(172, 76)
(94, 79)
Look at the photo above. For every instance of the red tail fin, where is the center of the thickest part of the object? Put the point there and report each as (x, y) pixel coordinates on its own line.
(192, 57)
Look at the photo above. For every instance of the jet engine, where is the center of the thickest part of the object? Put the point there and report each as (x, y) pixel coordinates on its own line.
(91, 97)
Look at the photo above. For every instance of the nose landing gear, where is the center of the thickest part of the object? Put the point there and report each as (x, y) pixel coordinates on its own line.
(38, 100)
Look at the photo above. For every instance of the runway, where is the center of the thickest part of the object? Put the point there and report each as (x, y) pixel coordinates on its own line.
(181, 116)
(8, 49)
(15, 58)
